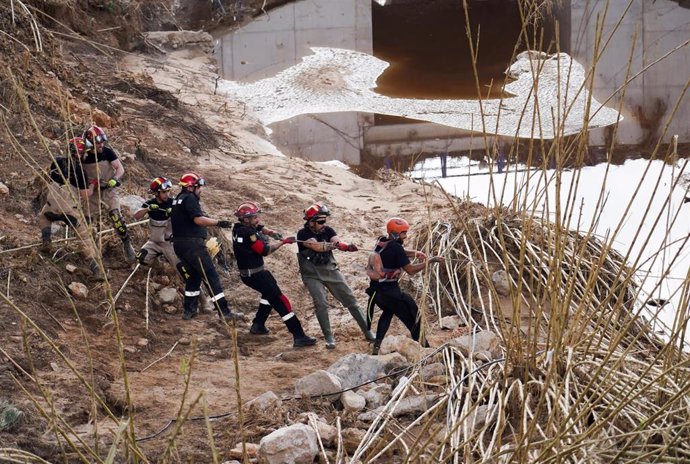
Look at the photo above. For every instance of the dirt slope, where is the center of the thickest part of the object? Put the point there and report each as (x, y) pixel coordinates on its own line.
(162, 117)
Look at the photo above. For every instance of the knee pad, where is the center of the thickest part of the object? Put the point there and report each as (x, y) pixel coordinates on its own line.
(141, 256)
(71, 220)
(183, 272)
(54, 216)
(118, 222)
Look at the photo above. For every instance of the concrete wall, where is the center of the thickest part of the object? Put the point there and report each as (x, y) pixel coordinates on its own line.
(278, 40)
(647, 31)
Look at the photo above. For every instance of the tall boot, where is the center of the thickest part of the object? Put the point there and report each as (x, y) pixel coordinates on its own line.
(46, 233)
(325, 323)
(377, 347)
(362, 323)
(259, 323)
(298, 335)
(95, 269)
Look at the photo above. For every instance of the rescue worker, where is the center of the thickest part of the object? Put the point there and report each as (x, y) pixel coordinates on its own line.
(159, 209)
(319, 270)
(102, 163)
(69, 190)
(189, 225)
(250, 244)
(384, 268)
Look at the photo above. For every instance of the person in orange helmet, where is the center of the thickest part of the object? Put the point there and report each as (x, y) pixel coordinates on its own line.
(384, 268)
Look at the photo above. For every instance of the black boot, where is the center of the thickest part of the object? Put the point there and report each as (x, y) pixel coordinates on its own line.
(259, 329)
(377, 347)
(46, 239)
(299, 337)
(96, 274)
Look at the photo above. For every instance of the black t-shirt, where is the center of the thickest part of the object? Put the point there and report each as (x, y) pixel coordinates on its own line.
(306, 233)
(393, 256)
(160, 214)
(249, 245)
(71, 170)
(108, 154)
(186, 207)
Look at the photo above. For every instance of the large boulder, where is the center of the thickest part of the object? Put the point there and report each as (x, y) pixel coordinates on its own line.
(319, 383)
(404, 345)
(295, 444)
(267, 401)
(356, 368)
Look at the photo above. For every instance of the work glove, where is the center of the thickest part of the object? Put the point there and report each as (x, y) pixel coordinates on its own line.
(352, 247)
(112, 183)
(168, 211)
(153, 207)
(277, 235)
(288, 240)
(94, 182)
(224, 224)
(342, 246)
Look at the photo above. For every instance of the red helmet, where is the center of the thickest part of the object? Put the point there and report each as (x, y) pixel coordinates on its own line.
(247, 209)
(94, 135)
(160, 184)
(77, 147)
(192, 179)
(316, 210)
(397, 226)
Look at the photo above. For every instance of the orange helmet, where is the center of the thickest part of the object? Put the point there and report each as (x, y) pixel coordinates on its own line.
(160, 184)
(397, 226)
(316, 210)
(192, 179)
(94, 135)
(77, 147)
(247, 209)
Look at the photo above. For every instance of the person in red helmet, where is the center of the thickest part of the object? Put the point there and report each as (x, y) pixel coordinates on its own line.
(319, 270)
(102, 163)
(159, 210)
(250, 242)
(384, 268)
(189, 225)
(69, 190)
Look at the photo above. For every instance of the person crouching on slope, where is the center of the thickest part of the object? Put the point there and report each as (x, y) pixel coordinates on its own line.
(250, 244)
(384, 268)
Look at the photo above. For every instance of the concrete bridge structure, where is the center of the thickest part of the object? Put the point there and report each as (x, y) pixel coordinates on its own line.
(646, 54)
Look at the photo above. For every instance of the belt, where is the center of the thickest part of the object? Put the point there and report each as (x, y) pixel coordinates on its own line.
(251, 272)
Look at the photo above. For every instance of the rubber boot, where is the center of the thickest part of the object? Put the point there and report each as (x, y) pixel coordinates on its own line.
(191, 307)
(96, 273)
(377, 347)
(362, 323)
(325, 323)
(46, 239)
(130, 254)
(258, 329)
(299, 337)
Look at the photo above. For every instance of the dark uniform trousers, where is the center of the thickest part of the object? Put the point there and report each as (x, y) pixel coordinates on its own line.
(199, 268)
(272, 298)
(393, 302)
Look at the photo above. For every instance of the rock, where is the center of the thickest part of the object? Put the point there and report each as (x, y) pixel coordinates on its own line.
(430, 371)
(234, 461)
(78, 290)
(71, 268)
(101, 119)
(413, 405)
(129, 349)
(352, 401)
(184, 341)
(328, 433)
(176, 39)
(480, 341)
(452, 322)
(485, 356)
(319, 383)
(377, 395)
(167, 295)
(352, 438)
(252, 451)
(265, 401)
(143, 342)
(169, 309)
(477, 419)
(407, 347)
(356, 368)
(164, 280)
(295, 444)
(4, 189)
(501, 282)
